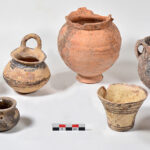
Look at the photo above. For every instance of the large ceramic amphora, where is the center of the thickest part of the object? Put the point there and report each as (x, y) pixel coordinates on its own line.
(27, 72)
(89, 44)
(143, 60)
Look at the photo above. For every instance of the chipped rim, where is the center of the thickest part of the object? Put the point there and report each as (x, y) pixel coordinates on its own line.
(124, 84)
(88, 14)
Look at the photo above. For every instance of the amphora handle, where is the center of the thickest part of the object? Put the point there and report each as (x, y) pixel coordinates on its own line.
(138, 43)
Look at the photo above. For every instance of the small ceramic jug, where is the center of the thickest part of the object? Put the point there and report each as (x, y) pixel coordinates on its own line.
(121, 103)
(144, 60)
(9, 114)
(27, 72)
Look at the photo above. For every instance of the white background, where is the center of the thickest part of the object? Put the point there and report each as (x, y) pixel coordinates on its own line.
(64, 99)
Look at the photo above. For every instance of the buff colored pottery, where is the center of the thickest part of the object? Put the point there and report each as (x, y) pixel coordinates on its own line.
(144, 60)
(9, 114)
(89, 44)
(121, 103)
(27, 72)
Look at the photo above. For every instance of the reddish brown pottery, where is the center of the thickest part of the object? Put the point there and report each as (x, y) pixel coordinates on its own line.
(89, 44)
(9, 114)
(144, 60)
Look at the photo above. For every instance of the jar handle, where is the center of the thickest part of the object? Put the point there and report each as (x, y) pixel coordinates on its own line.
(30, 36)
(138, 43)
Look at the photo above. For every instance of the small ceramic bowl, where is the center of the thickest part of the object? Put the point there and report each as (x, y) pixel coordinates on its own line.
(121, 102)
(9, 114)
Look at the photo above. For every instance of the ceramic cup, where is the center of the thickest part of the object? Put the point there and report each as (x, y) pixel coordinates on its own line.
(121, 103)
(9, 114)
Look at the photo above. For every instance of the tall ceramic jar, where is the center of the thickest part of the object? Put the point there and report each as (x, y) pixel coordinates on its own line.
(144, 60)
(89, 44)
(27, 72)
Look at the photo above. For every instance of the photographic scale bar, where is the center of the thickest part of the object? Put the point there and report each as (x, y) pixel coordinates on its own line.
(68, 127)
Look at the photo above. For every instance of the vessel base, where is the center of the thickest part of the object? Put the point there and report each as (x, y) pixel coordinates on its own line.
(90, 80)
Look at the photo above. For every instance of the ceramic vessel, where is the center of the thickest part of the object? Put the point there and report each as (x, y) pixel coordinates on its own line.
(144, 60)
(27, 72)
(89, 44)
(9, 114)
(121, 103)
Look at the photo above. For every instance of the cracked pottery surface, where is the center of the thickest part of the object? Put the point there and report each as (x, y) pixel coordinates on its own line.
(27, 72)
(89, 44)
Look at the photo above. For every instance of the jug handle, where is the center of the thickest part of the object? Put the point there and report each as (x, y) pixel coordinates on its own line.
(30, 36)
(138, 43)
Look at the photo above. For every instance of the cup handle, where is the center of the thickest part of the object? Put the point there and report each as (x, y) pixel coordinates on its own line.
(137, 52)
(30, 36)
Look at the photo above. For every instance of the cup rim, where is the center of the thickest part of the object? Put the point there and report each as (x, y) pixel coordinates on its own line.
(10, 100)
(126, 103)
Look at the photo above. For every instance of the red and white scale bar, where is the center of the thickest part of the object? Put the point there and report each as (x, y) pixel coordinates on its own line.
(68, 127)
